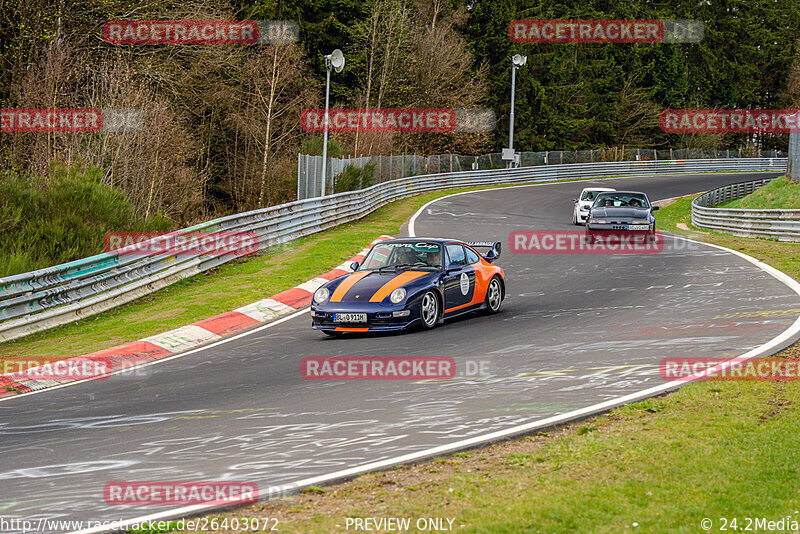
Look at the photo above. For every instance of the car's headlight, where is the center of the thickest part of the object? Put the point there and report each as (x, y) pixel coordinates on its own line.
(585, 208)
(640, 221)
(321, 295)
(397, 295)
(597, 221)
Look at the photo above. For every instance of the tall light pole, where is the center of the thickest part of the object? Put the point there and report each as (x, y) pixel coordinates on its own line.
(333, 61)
(516, 62)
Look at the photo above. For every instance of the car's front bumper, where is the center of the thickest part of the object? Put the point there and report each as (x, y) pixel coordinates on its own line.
(380, 318)
(615, 228)
(648, 238)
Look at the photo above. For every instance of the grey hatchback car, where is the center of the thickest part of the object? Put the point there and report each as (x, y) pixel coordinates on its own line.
(621, 211)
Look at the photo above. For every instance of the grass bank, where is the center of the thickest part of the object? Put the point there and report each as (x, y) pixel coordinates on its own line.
(780, 193)
(49, 220)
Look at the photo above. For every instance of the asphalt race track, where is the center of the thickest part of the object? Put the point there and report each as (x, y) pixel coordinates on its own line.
(575, 330)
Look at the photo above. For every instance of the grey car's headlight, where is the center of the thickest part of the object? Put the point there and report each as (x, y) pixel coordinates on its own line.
(321, 295)
(397, 295)
(640, 221)
(597, 221)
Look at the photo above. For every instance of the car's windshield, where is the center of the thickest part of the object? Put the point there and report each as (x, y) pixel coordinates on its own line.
(422, 255)
(589, 195)
(616, 200)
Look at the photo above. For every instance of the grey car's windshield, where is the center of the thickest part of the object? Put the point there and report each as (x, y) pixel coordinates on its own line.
(617, 200)
(422, 255)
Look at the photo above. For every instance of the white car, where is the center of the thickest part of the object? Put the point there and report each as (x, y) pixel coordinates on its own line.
(584, 202)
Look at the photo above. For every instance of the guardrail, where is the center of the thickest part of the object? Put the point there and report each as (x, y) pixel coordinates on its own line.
(780, 224)
(385, 168)
(57, 295)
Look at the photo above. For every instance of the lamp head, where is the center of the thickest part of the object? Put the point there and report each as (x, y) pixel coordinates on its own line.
(335, 60)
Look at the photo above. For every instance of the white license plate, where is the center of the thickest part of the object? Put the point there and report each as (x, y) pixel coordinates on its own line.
(349, 317)
(639, 227)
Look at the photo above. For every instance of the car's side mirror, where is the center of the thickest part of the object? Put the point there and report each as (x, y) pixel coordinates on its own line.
(454, 267)
(655, 208)
(355, 265)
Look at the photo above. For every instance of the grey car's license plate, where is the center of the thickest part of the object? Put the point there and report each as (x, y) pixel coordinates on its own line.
(639, 227)
(350, 317)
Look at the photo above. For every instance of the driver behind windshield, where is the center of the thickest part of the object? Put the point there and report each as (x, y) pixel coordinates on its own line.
(402, 255)
(434, 259)
(406, 256)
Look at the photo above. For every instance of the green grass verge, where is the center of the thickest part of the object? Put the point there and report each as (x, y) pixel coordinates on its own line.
(710, 450)
(62, 217)
(780, 193)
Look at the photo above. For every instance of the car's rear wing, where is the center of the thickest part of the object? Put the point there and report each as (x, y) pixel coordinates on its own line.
(494, 249)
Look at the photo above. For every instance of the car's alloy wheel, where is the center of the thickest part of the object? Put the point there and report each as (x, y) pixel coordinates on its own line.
(494, 296)
(429, 310)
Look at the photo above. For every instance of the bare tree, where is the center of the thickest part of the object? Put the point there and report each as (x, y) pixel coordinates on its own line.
(266, 112)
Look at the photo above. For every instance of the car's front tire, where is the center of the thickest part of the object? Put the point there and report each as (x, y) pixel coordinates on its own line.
(429, 310)
(494, 296)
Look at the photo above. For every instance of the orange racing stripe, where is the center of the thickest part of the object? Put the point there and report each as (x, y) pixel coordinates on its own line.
(448, 310)
(346, 284)
(394, 283)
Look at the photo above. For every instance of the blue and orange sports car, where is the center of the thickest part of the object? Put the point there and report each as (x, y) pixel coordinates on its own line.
(411, 282)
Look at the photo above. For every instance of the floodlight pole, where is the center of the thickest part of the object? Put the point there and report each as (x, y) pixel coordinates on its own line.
(508, 153)
(325, 127)
(511, 115)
